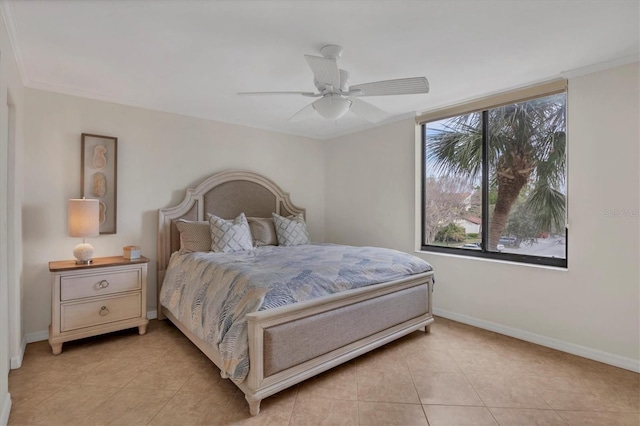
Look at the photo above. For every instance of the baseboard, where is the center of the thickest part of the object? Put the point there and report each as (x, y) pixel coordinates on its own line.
(6, 410)
(16, 361)
(39, 336)
(550, 342)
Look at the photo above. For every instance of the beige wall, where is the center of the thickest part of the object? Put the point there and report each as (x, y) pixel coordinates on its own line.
(159, 155)
(593, 307)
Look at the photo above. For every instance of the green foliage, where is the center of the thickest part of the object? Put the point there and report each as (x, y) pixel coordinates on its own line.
(522, 225)
(549, 205)
(527, 152)
(451, 233)
(472, 235)
(493, 197)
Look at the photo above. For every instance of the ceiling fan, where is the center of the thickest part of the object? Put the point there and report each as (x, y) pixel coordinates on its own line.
(337, 97)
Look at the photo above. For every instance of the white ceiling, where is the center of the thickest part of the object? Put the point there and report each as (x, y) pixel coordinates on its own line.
(191, 57)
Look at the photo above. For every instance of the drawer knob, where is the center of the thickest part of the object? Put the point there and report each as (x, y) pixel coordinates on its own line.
(103, 284)
(104, 311)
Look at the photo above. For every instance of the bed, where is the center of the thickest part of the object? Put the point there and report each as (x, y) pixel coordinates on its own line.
(278, 339)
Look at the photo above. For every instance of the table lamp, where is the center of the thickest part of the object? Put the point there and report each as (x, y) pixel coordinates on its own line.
(84, 221)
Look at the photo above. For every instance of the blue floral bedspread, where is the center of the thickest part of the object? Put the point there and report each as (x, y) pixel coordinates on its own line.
(211, 292)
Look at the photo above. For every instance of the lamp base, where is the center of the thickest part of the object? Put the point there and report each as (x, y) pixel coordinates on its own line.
(83, 253)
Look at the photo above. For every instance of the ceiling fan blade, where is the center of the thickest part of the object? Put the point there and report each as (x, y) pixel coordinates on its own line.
(309, 94)
(302, 114)
(401, 86)
(366, 110)
(325, 70)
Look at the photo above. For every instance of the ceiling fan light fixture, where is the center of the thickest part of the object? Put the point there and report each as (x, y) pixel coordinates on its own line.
(332, 107)
(337, 96)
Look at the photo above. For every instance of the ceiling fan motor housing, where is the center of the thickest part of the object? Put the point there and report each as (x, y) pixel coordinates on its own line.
(331, 51)
(344, 83)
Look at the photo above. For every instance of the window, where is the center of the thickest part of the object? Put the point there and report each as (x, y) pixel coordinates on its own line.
(494, 180)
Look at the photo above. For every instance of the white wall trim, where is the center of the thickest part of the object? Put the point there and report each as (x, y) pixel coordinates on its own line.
(152, 314)
(16, 361)
(6, 410)
(550, 342)
(37, 336)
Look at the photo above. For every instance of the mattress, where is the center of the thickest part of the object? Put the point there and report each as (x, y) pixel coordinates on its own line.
(210, 293)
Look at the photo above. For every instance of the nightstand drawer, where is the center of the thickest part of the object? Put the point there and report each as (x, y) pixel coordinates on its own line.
(99, 284)
(110, 294)
(79, 315)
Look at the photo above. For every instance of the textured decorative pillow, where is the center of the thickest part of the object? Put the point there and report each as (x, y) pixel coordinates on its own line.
(291, 231)
(194, 236)
(263, 231)
(228, 236)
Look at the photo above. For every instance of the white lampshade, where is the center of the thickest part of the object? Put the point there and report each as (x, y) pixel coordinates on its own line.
(332, 107)
(84, 218)
(84, 221)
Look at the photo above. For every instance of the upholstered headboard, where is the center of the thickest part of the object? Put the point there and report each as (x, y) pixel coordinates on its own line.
(225, 194)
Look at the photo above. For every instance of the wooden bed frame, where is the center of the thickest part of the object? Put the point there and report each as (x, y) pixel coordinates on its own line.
(229, 193)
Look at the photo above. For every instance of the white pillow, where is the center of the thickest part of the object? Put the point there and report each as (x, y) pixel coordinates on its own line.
(228, 236)
(291, 231)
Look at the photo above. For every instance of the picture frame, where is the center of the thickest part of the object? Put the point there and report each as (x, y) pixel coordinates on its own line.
(99, 177)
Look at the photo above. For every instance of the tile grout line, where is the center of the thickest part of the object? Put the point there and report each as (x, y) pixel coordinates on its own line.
(476, 391)
(162, 408)
(293, 407)
(513, 408)
(425, 414)
(424, 411)
(355, 361)
(100, 405)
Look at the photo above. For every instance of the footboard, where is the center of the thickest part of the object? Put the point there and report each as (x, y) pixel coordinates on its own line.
(290, 344)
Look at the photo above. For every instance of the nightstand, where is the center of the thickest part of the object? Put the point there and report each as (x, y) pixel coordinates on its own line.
(107, 295)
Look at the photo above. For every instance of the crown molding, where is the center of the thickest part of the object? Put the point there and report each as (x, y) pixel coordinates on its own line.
(87, 94)
(601, 66)
(10, 23)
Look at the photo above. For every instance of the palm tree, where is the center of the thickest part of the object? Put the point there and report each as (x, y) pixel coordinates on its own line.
(527, 142)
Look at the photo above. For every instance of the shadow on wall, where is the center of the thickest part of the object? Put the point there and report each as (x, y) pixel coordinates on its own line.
(150, 250)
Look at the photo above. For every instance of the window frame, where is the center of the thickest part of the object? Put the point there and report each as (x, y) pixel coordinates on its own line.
(483, 106)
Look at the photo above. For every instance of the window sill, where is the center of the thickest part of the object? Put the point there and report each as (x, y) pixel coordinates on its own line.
(486, 259)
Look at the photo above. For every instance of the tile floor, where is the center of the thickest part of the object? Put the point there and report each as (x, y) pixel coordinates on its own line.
(457, 375)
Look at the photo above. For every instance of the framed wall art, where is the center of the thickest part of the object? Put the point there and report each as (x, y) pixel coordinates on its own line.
(99, 176)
